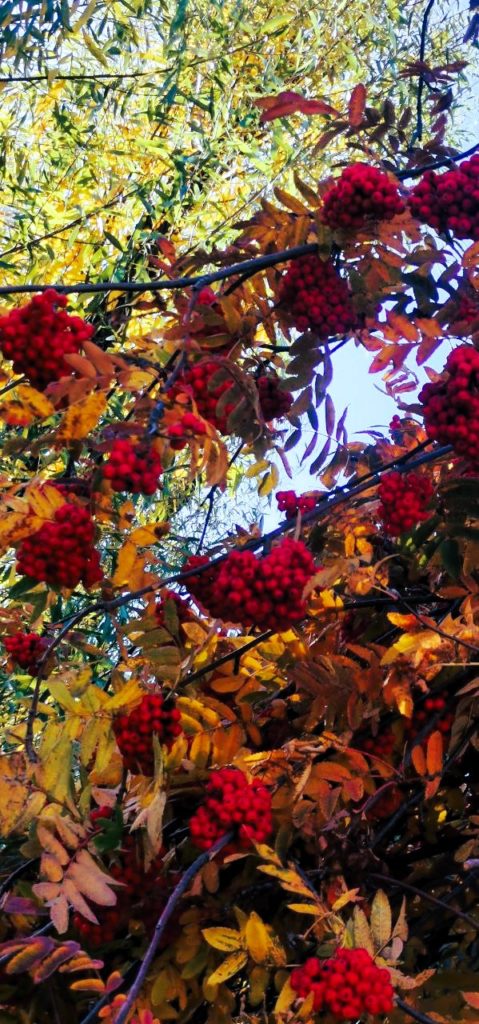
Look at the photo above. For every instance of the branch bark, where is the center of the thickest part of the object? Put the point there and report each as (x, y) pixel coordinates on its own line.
(176, 895)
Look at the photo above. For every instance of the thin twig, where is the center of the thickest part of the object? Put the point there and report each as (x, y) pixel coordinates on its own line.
(435, 165)
(420, 89)
(176, 895)
(425, 896)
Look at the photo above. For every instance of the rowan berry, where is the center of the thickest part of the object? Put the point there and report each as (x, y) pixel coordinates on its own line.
(347, 985)
(265, 592)
(433, 709)
(451, 404)
(197, 382)
(26, 649)
(317, 297)
(381, 745)
(360, 195)
(156, 715)
(38, 336)
(136, 470)
(274, 402)
(291, 503)
(232, 803)
(449, 201)
(61, 552)
(187, 428)
(404, 499)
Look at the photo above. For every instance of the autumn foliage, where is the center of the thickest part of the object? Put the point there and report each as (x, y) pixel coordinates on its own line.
(239, 714)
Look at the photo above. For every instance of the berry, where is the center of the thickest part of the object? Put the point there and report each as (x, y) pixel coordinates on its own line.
(196, 382)
(184, 430)
(451, 404)
(360, 195)
(154, 716)
(26, 649)
(290, 502)
(465, 318)
(386, 805)
(404, 499)
(430, 711)
(274, 402)
(449, 201)
(381, 745)
(61, 552)
(264, 592)
(99, 813)
(317, 297)
(38, 336)
(136, 470)
(232, 803)
(142, 893)
(347, 985)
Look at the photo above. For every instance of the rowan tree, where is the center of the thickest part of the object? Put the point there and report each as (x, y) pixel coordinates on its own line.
(237, 776)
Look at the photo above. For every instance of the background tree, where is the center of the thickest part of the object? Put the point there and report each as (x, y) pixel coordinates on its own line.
(237, 776)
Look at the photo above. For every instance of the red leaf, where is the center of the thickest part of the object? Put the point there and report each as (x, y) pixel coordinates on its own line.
(357, 102)
(291, 103)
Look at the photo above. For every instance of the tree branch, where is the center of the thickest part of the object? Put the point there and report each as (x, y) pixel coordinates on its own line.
(425, 896)
(255, 264)
(176, 895)
(420, 90)
(422, 1018)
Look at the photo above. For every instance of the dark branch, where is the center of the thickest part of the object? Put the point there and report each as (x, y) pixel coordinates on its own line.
(256, 264)
(420, 90)
(175, 897)
(422, 1018)
(424, 896)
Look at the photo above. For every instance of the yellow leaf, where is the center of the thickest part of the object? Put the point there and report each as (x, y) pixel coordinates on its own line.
(126, 698)
(228, 968)
(346, 897)
(286, 998)
(128, 559)
(362, 932)
(381, 920)
(200, 750)
(33, 402)
(306, 908)
(44, 501)
(14, 791)
(257, 939)
(225, 939)
(80, 419)
(62, 695)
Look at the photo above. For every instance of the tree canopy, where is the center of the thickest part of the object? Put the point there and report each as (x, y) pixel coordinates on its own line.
(237, 769)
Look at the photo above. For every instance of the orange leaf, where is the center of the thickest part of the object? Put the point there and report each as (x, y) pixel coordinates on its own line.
(418, 759)
(357, 103)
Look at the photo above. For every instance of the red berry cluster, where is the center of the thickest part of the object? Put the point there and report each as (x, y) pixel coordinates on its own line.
(264, 592)
(317, 297)
(26, 649)
(361, 194)
(136, 470)
(232, 803)
(136, 887)
(195, 382)
(451, 404)
(466, 313)
(37, 336)
(449, 201)
(61, 552)
(381, 745)
(154, 716)
(291, 503)
(395, 424)
(182, 607)
(347, 985)
(386, 805)
(187, 427)
(404, 499)
(421, 717)
(274, 402)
